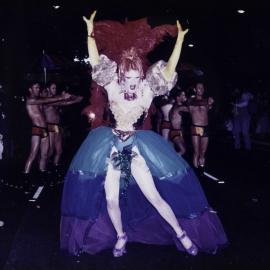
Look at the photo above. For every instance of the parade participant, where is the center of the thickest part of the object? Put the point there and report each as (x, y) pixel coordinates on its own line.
(176, 132)
(198, 107)
(165, 108)
(53, 119)
(39, 135)
(112, 190)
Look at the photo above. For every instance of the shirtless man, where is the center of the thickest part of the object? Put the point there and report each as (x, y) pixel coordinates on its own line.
(176, 134)
(39, 139)
(52, 117)
(198, 107)
(165, 125)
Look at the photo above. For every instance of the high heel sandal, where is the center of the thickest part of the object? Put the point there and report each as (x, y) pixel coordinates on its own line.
(118, 252)
(193, 250)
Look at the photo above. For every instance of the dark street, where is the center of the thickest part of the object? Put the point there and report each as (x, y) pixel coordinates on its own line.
(30, 235)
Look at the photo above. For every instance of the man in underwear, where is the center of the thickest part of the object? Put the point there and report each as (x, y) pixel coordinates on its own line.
(165, 126)
(39, 138)
(198, 107)
(176, 134)
(53, 118)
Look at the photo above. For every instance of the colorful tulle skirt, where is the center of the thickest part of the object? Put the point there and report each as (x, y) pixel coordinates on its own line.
(85, 224)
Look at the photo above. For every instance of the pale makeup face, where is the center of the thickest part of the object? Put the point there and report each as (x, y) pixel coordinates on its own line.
(132, 81)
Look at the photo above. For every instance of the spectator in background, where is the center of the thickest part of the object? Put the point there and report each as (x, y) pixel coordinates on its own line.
(262, 125)
(241, 118)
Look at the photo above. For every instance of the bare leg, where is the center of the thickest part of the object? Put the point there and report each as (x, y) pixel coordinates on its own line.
(145, 181)
(44, 150)
(35, 143)
(165, 133)
(58, 148)
(203, 147)
(181, 144)
(196, 150)
(111, 186)
(51, 144)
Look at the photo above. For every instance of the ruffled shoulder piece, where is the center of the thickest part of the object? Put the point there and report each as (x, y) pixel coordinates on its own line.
(105, 71)
(156, 81)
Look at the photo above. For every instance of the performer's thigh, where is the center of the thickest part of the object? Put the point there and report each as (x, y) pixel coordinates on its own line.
(112, 180)
(35, 143)
(204, 144)
(195, 143)
(58, 142)
(143, 177)
(44, 146)
(165, 133)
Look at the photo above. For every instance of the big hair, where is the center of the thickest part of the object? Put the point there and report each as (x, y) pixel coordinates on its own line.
(130, 59)
(112, 39)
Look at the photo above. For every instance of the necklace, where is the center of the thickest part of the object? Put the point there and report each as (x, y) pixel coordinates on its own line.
(129, 97)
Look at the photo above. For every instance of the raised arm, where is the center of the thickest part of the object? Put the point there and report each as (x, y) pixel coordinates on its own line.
(91, 43)
(183, 109)
(173, 60)
(47, 100)
(72, 100)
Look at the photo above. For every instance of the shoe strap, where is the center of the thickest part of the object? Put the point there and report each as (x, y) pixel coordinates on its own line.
(182, 236)
(122, 237)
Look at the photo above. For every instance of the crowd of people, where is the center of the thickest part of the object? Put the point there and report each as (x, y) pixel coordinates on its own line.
(43, 107)
(248, 116)
(197, 105)
(127, 182)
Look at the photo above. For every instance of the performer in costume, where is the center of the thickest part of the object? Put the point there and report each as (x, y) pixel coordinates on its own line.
(111, 39)
(53, 118)
(165, 109)
(130, 185)
(176, 133)
(39, 137)
(199, 107)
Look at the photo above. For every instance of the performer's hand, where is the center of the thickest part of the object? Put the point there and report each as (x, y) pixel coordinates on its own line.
(181, 33)
(76, 98)
(210, 101)
(65, 95)
(90, 22)
(79, 98)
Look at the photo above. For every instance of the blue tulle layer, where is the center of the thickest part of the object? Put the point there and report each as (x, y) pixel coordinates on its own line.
(84, 204)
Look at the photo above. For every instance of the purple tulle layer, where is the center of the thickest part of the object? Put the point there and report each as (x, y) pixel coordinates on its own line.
(93, 236)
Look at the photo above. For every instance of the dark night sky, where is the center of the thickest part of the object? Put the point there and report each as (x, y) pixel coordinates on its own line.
(226, 43)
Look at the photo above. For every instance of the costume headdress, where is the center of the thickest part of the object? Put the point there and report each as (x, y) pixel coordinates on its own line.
(112, 39)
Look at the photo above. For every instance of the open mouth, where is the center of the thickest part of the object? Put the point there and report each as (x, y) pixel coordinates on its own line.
(132, 87)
